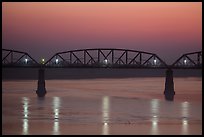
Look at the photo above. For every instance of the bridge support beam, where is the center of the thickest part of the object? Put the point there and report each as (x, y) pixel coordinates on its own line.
(169, 86)
(41, 91)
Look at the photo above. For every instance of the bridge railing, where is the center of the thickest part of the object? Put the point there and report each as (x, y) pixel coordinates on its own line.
(117, 58)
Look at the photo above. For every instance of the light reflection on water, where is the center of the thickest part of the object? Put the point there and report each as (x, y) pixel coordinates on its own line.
(56, 102)
(105, 115)
(25, 102)
(185, 115)
(154, 107)
(56, 109)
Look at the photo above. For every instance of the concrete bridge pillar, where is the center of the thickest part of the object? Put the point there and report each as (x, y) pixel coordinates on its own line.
(169, 86)
(41, 91)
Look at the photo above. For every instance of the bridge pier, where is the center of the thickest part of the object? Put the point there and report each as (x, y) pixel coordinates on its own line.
(41, 91)
(169, 86)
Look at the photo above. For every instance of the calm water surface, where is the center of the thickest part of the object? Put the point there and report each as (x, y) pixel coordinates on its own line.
(102, 106)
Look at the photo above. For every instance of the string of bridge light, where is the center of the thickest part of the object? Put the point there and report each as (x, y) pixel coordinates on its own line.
(105, 61)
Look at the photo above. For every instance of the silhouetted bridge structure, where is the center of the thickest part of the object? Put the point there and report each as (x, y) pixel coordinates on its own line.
(102, 58)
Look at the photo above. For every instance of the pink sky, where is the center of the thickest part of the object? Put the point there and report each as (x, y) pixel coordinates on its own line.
(42, 29)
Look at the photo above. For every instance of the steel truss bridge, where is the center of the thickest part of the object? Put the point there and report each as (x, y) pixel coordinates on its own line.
(102, 58)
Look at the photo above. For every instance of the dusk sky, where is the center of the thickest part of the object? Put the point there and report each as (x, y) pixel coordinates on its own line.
(42, 29)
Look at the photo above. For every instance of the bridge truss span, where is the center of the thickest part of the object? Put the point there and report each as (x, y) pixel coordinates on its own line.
(14, 58)
(191, 60)
(113, 58)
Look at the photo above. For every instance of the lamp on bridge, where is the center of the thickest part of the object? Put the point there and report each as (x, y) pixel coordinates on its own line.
(185, 61)
(57, 60)
(26, 60)
(155, 61)
(105, 61)
(42, 61)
